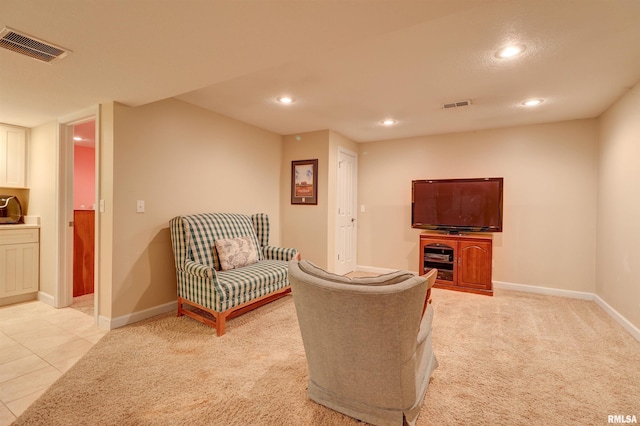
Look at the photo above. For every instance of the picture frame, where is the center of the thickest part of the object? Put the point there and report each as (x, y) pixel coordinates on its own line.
(304, 182)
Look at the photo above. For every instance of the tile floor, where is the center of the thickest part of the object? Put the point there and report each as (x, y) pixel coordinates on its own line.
(38, 343)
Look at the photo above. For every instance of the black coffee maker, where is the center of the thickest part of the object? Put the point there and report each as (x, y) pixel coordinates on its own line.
(10, 210)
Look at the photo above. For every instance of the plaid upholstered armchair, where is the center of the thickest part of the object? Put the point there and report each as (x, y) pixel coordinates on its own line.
(225, 266)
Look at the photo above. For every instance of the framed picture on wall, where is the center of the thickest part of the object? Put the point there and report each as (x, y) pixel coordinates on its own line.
(304, 182)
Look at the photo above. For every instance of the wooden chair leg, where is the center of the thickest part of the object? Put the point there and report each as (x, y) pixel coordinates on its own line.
(180, 306)
(427, 301)
(221, 323)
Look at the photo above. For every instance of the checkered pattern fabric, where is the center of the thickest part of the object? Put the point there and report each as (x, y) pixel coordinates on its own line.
(198, 280)
(279, 253)
(249, 282)
(206, 228)
(261, 225)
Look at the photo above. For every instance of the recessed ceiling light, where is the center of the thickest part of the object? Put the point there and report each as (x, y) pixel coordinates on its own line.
(511, 51)
(389, 122)
(532, 102)
(285, 99)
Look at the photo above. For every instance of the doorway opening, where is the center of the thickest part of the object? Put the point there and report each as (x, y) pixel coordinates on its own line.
(84, 206)
(77, 218)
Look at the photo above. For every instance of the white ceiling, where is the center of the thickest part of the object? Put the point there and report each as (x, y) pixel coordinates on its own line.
(348, 63)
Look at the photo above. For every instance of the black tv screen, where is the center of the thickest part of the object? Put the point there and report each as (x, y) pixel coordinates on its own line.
(457, 205)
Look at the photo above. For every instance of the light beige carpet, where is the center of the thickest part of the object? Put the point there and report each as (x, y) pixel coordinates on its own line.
(511, 359)
(83, 304)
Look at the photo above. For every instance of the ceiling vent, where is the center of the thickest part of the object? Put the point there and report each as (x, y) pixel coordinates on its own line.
(457, 104)
(30, 46)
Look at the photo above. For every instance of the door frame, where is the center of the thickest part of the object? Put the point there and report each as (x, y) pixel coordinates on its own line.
(63, 295)
(354, 202)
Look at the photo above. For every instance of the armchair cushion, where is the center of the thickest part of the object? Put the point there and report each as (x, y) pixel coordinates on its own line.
(243, 284)
(384, 279)
(313, 270)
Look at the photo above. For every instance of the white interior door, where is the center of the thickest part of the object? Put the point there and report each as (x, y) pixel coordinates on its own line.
(63, 295)
(346, 241)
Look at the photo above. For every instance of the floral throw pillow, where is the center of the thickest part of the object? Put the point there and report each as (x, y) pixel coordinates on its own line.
(236, 252)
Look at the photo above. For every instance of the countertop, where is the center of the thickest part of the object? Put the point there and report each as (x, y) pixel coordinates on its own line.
(30, 222)
(18, 226)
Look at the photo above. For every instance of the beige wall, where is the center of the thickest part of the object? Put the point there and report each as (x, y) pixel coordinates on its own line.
(311, 228)
(180, 159)
(549, 198)
(105, 236)
(43, 201)
(305, 226)
(618, 259)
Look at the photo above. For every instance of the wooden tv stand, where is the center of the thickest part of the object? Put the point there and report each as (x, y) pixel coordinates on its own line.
(463, 261)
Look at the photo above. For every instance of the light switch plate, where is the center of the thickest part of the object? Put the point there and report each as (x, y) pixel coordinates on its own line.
(140, 206)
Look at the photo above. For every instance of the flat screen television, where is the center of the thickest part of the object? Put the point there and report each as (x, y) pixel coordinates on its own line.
(457, 205)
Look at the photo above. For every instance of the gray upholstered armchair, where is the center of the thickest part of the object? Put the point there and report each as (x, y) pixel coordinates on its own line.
(367, 341)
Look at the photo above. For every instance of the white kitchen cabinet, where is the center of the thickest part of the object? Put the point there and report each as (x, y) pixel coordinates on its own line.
(19, 261)
(13, 157)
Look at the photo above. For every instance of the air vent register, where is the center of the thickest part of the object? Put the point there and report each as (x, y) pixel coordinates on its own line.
(30, 46)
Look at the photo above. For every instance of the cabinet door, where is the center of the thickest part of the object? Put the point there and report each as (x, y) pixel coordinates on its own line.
(19, 269)
(83, 257)
(13, 151)
(474, 267)
(439, 254)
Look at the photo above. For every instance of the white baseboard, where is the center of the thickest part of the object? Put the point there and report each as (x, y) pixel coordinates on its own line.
(374, 269)
(544, 290)
(111, 323)
(46, 298)
(20, 298)
(625, 323)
